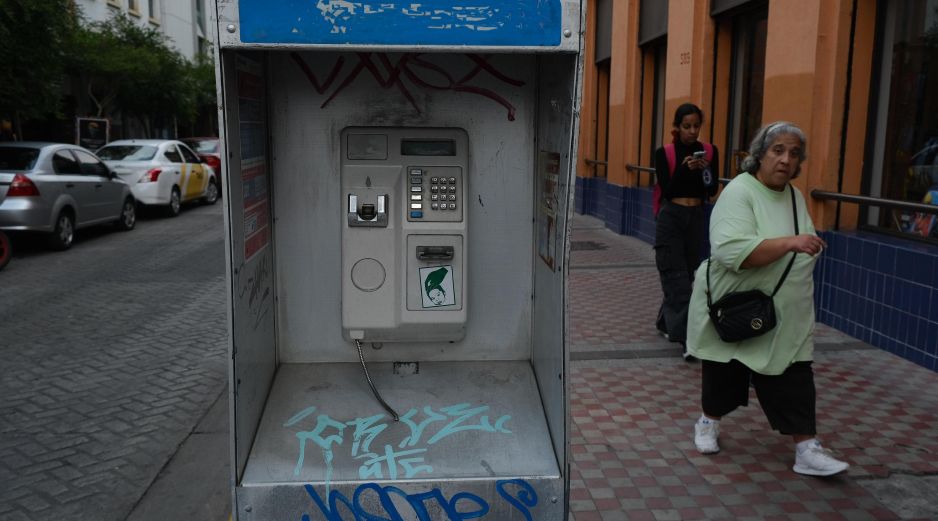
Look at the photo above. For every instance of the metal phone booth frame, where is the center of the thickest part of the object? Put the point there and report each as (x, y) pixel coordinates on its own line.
(307, 88)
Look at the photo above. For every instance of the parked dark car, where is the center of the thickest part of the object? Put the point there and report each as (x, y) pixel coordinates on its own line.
(57, 188)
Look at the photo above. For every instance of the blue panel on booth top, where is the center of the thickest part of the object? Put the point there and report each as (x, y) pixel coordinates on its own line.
(431, 22)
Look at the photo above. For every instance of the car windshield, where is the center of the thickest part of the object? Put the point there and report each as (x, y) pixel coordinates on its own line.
(18, 158)
(127, 152)
(202, 146)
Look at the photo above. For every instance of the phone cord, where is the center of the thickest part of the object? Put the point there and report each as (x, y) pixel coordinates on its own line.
(358, 344)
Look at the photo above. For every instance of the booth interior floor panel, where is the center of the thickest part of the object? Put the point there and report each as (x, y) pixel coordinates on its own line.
(458, 420)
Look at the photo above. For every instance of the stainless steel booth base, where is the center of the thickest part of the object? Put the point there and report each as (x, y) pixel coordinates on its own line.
(472, 436)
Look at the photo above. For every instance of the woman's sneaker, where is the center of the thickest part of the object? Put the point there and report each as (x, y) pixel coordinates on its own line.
(706, 433)
(818, 461)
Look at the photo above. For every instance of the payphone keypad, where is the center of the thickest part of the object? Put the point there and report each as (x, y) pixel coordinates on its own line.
(435, 194)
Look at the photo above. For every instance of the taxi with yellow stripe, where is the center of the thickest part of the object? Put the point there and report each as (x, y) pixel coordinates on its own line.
(161, 172)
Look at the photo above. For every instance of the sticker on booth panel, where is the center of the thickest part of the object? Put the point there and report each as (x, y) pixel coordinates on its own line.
(436, 286)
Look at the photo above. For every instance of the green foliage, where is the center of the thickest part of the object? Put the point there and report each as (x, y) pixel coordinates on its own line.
(36, 37)
(122, 67)
(132, 68)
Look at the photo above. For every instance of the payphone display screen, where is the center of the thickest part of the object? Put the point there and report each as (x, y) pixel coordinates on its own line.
(423, 147)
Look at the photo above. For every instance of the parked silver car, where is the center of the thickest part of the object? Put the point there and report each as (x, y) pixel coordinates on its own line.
(57, 188)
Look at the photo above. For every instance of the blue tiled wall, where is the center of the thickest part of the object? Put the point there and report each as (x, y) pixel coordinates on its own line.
(642, 223)
(625, 210)
(589, 196)
(879, 289)
(882, 290)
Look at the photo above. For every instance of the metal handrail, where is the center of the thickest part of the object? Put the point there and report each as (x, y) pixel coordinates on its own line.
(595, 162)
(649, 170)
(875, 201)
(638, 169)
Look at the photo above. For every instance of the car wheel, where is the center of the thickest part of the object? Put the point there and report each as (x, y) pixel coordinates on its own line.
(64, 233)
(6, 250)
(211, 193)
(175, 203)
(128, 217)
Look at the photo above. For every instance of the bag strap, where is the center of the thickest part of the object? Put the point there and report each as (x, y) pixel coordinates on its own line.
(656, 195)
(794, 211)
(671, 155)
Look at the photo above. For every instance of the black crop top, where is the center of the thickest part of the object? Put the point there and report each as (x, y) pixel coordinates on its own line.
(685, 182)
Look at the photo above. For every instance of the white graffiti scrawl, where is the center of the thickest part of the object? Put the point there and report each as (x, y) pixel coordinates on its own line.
(341, 13)
(391, 459)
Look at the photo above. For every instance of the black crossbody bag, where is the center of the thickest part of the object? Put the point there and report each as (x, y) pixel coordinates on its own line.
(741, 315)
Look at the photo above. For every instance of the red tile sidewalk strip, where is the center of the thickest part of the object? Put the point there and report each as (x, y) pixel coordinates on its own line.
(632, 419)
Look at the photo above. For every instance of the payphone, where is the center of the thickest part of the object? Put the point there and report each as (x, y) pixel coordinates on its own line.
(404, 234)
(399, 188)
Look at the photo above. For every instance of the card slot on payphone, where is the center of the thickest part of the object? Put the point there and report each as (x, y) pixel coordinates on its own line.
(435, 253)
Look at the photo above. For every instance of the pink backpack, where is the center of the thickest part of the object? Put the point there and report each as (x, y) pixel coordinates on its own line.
(672, 164)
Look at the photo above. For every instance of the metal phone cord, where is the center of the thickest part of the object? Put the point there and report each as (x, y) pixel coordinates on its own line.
(358, 344)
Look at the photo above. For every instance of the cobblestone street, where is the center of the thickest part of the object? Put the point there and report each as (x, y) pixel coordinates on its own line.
(112, 352)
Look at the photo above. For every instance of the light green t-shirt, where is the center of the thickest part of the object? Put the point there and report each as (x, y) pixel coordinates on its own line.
(747, 213)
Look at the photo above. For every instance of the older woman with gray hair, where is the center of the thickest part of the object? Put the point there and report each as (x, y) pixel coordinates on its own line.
(754, 245)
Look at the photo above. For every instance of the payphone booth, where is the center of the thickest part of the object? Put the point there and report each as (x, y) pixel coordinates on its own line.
(398, 198)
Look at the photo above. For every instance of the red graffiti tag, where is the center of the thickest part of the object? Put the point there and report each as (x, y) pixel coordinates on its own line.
(432, 76)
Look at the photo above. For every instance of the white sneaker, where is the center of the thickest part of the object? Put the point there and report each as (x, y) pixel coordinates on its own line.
(705, 437)
(818, 461)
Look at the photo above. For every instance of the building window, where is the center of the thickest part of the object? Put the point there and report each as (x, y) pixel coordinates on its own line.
(746, 83)
(153, 11)
(905, 152)
(658, 122)
(133, 7)
(115, 3)
(200, 14)
(602, 117)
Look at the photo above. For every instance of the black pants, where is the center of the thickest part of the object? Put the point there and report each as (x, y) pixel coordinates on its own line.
(678, 234)
(788, 400)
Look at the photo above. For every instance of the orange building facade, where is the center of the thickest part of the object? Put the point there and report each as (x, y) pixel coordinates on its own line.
(860, 77)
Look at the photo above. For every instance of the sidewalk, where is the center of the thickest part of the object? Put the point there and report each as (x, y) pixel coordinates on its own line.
(634, 401)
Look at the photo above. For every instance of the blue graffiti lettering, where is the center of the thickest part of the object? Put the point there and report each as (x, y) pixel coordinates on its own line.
(373, 502)
(323, 422)
(416, 430)
(483, 507)
(299, 416)
(461, 416)
(331, 513)
(365, 428)
(372, 468)
(527, 496)
(328, 433)
(384, 499)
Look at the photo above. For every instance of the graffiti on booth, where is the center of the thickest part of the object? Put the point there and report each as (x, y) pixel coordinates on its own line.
(517, 494)
(255, 284)
(412, 70)
(389, 458)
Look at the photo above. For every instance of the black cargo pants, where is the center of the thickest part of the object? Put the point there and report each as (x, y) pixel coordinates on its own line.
(678, 233)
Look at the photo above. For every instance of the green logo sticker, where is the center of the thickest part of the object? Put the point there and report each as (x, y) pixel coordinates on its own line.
(436, 283)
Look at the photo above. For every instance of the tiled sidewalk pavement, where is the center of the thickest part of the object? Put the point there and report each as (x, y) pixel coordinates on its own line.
(634, 401)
